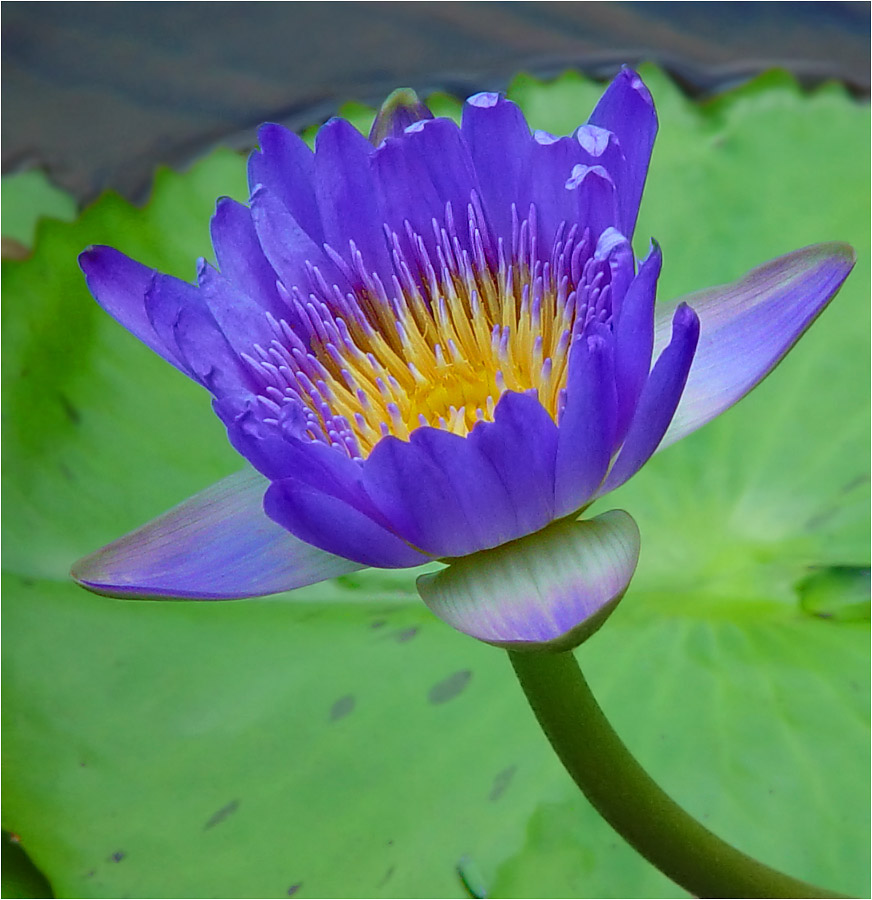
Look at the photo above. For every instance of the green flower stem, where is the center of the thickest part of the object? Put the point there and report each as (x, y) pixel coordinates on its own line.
(626, 796)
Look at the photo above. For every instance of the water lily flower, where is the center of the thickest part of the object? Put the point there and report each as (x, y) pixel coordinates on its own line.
(436, 344)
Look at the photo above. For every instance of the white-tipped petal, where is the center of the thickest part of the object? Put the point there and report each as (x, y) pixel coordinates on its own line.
(218, 545)
(549, 590)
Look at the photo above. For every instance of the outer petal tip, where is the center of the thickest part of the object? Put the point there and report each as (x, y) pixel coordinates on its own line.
(218, 545)
(748, 326)
(844, 251)
(548, 591)
(401, 109)
(85, 257)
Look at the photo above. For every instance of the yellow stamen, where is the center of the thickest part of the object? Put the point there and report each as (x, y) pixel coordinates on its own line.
(437, 357)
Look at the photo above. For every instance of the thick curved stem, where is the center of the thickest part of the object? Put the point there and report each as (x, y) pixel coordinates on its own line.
(628, 799)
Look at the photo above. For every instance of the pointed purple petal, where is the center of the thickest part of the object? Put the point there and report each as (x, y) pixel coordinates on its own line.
(242, 321)
(627, 110)
(659, 399)
(634, 338)
(499, 143)
(262, 445)
(179, 315)
(586, 435)
(240, 256)
(350, 206)
(337, 527)
(421, 172)
(550, 590)
(120, 284)
(416, 498)
(285, 242)
(747, 327)
(602, 148)
(219, 545)
(285, 166)
(545, 183)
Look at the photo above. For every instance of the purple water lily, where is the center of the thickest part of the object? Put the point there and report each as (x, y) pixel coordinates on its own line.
(432, 344)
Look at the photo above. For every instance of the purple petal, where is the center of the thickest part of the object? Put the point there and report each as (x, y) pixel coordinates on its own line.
(119, 284)
(586, 435)
(350, 206)
(602, 148)
(545, 184)
(440, 493)
(659, 399)
(445, 159)
(478, 489)
(240, 256)
(499, 142)
(285, 242)
(219, 545)
(281, 454)
(634, 338)
(592, 189)
(748, 326)
(285, 166)
(337, 527)
(241, 320)
(179, 315)
(521, 445)
(627, 110)
(420, 173)
(617, 250)
(550, 590)
(401, 109)
(414, 495)
(263, 445)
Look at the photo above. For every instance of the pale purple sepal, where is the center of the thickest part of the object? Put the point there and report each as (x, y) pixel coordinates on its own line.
(218, 545)
(549, 590)
(748, 326)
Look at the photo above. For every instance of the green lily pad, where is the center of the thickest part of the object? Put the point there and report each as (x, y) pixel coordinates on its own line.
(344, 742)
(29, 197)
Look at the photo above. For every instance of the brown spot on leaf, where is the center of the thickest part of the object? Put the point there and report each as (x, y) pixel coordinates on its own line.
(501, 781)
(386, 877)
(222, 814)
(343, 707)
(71, 412)
(450, 687)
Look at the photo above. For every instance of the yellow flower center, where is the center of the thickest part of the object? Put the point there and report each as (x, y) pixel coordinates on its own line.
(440, 346)
(446, 347)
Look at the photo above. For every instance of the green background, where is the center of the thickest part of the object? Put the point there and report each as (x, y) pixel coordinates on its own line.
(341, 742)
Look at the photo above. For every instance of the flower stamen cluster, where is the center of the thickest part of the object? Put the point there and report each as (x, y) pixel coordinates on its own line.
(441, 342)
